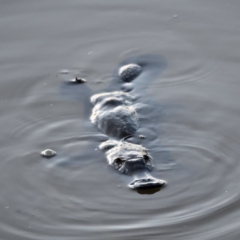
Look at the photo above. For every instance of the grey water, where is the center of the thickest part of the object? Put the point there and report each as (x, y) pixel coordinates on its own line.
(190, 115)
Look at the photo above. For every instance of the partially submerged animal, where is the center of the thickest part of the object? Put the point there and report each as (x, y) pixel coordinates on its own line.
(114, 114)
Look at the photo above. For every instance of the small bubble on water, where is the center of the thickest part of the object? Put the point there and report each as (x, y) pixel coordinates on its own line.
(48, 153)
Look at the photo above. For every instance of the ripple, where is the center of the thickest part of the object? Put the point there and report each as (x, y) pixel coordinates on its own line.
(57, 199)
(200, 185)
(186, 64)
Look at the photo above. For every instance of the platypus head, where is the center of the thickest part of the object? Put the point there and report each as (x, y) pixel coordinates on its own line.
(132, 159)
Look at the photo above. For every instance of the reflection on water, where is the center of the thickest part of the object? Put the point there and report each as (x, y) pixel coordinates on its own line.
(148, 191)
(189, 115)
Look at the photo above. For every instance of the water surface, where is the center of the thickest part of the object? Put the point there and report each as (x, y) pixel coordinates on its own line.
(190, 116)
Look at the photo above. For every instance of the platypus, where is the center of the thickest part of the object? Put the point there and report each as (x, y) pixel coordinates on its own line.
(115, 115)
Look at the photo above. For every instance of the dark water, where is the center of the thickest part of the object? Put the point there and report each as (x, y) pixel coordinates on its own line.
(192, 125)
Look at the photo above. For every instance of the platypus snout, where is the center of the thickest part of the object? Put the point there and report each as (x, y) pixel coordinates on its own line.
(145, 183)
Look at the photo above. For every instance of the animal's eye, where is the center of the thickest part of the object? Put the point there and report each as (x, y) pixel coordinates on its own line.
(119, 162)
(147, 159)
